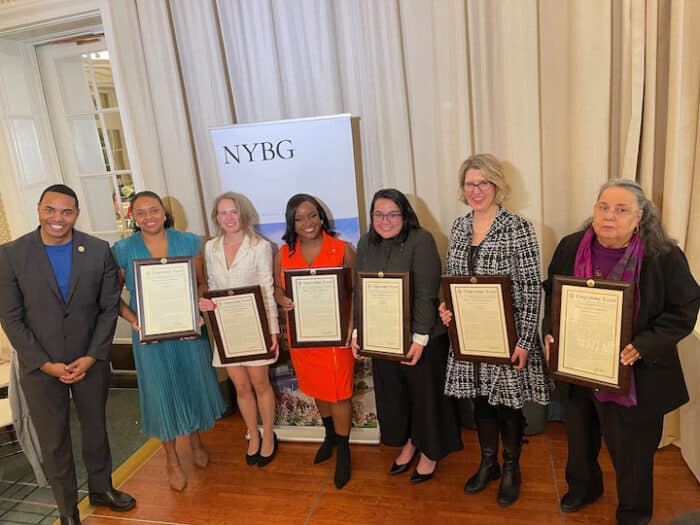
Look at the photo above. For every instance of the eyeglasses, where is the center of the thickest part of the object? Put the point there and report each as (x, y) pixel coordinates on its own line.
(226, 213)
(391, 217)
(603, 209)
(481, 186)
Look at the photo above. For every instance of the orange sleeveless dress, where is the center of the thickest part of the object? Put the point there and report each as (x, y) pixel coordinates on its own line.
(324, 373)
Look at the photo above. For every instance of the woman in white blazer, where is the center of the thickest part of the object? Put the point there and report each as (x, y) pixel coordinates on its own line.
(237, 257)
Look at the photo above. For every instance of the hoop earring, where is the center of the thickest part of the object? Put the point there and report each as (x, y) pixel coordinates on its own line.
(636, 229)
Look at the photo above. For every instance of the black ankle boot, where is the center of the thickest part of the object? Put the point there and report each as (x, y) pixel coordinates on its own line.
(488, 471)
(342, 462)
(326, 449)
(512, 424)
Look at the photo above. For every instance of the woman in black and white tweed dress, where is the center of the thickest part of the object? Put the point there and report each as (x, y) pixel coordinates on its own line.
(491, 240)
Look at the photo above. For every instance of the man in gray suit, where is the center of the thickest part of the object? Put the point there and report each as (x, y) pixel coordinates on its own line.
(59, 300)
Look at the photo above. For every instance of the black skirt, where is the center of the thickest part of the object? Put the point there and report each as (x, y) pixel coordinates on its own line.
(411, 402)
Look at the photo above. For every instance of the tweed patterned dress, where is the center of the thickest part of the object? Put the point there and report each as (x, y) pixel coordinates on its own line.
(509, 248)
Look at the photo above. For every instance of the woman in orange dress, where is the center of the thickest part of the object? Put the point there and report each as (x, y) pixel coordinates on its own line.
(324, 373)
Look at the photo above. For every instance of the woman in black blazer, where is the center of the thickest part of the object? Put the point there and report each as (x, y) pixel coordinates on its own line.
(625, 241)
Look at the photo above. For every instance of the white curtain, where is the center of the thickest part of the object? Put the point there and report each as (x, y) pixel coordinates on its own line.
(314, 57)
(568, 94)
(433, 82)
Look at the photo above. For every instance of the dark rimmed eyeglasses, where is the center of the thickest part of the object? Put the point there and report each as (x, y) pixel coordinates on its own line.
(391, 217)
(481, 186)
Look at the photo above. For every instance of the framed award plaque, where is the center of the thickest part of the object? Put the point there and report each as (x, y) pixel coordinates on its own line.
(591, 324)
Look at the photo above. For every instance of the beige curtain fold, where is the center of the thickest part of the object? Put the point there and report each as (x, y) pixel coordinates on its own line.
(568, 94)
(680, 180)
(575, 78)
(654, 135)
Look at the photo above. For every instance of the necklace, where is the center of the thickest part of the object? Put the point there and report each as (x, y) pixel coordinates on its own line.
(598, 273)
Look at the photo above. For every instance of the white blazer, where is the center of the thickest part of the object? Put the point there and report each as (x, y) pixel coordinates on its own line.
(252, 265)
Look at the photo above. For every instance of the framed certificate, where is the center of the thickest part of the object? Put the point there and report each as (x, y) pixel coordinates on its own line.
(591, 324)
(483, 326)
(166, 298)
(321, 314)
(384, 318)
(238, 325)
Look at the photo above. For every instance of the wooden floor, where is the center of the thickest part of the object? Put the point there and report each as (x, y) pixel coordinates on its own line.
(292, 489)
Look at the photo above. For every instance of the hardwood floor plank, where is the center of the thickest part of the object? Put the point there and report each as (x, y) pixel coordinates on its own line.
(292, 489)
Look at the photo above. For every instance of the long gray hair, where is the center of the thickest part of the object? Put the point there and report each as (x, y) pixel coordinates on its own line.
(651, 230)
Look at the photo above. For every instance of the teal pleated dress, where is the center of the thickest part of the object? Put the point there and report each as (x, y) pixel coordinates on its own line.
(178, 389)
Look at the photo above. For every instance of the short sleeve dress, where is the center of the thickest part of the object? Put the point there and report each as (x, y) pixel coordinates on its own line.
(178, 389)
(323, 373)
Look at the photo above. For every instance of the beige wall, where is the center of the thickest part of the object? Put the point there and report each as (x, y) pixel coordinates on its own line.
(4, 225)
(5, 350)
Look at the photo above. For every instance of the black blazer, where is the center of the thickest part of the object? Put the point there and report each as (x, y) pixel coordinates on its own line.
(670, 299)
(40, 326)
(416, 255)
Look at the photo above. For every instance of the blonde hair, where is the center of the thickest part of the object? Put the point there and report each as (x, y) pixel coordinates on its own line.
(245, 214)
(492, 170)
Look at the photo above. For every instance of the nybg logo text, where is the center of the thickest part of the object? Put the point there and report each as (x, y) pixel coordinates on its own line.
(258, 151)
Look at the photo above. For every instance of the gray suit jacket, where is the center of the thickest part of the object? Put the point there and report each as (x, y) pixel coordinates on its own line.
(39, 324)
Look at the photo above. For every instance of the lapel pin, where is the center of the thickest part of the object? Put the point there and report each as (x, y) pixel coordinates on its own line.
(81, 248)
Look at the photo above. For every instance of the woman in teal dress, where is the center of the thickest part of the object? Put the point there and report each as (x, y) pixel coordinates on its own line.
(178, 389)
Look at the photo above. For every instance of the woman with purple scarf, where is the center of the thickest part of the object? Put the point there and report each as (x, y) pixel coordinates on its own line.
(626, 242)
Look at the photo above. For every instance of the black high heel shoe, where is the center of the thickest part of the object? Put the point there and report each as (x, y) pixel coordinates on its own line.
(420, 478)
(417, 477)
(252, 459)
(397, 469)
(264, 460)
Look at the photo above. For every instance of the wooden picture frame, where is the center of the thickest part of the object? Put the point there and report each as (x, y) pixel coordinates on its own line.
(591, 324)
(238, 325)
(166, 298)
(322, 300)
(384, 314)
(483, 324)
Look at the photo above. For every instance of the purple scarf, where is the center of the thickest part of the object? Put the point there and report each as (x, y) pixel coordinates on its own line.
(628, 268)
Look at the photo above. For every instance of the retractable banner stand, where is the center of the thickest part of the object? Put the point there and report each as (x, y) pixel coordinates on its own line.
(268, 162)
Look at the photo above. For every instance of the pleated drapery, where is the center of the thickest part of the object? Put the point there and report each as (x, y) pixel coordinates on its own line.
(567, 93)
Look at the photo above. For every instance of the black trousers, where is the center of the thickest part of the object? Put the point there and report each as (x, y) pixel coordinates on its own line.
(49, 407)
(411, 402)
(632, 439)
